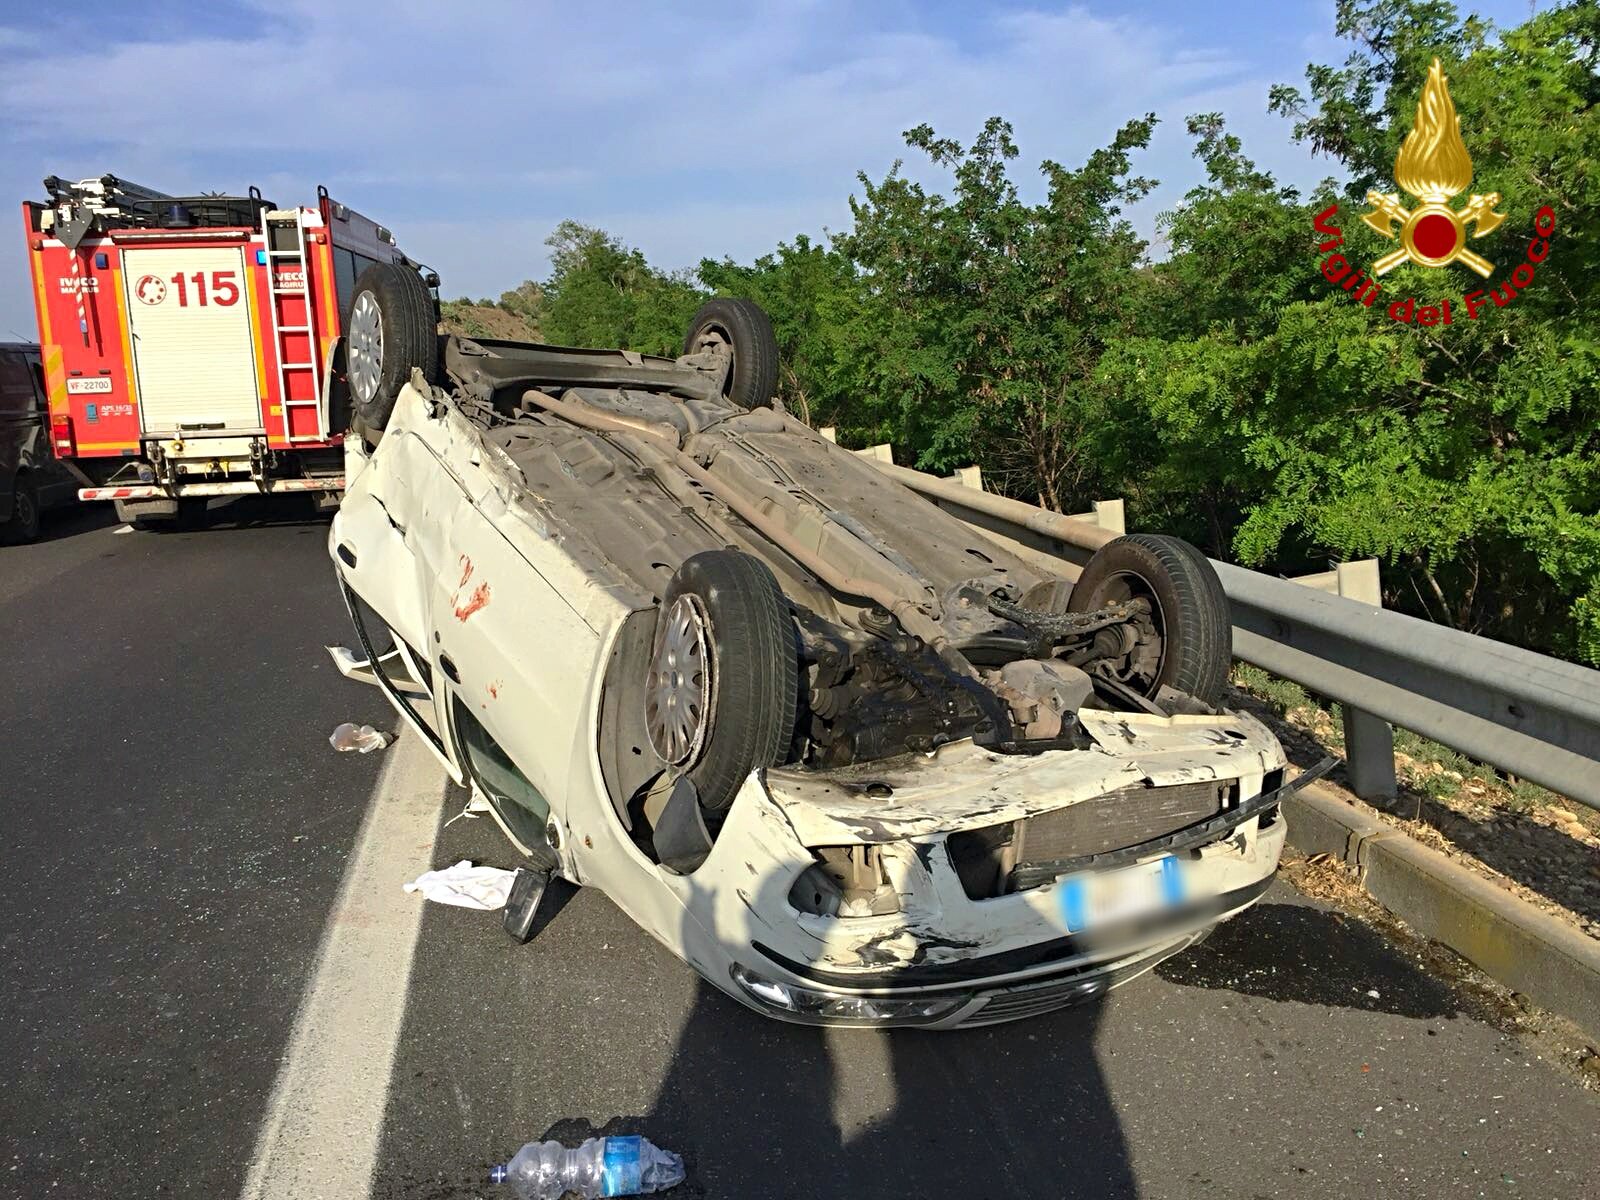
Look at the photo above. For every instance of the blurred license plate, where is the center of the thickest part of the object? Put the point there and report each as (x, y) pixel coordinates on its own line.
(1090, 900)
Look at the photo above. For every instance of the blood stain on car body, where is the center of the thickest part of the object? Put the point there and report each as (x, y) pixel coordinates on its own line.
(477, 600)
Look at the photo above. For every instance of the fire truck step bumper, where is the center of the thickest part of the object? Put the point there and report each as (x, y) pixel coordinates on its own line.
(228, 487)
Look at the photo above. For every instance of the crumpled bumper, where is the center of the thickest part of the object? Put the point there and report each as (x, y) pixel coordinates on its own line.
(947, 959)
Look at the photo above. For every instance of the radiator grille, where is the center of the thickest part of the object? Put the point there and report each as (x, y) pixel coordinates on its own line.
(1035, 999)
(1123, 817)
(1031, 1001)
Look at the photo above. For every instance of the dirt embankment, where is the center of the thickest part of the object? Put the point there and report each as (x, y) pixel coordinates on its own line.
(486, 321)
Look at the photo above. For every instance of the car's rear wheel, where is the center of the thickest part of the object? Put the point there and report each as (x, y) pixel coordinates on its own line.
(723, 679)
(742, 330)
(391, 331)
(1187, 641)
(24, 523)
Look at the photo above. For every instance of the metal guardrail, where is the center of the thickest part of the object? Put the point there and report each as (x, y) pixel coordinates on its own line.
(1535, 716)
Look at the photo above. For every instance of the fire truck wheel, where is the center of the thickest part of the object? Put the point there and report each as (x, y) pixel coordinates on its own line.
(24, 523)
(390, 331)
(164, 516)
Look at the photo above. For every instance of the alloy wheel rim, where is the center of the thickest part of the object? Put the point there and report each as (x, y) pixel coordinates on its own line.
(678, 687)
(365, 352)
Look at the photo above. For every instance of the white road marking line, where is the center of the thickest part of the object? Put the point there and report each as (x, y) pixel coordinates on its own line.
(324, 1121)
(123, 529)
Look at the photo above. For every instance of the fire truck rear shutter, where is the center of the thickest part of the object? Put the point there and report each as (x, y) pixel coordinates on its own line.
(189, 313)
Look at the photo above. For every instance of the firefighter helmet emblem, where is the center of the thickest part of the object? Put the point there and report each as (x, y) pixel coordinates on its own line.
(1433, 165)
(150, 289)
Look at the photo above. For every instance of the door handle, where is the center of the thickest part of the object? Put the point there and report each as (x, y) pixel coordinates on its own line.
(449, 668)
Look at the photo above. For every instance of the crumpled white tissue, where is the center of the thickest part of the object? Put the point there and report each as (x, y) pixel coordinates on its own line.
(465, 886)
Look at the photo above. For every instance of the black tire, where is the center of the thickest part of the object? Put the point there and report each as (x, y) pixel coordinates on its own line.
(23, 526)
(145, 521)
(407, 339)
(191, 515)
(1190, 608)
(747, 329)
(754, 671)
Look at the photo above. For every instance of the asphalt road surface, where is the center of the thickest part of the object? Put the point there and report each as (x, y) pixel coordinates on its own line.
(213, 985)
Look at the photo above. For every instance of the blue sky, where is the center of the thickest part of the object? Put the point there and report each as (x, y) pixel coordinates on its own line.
(687, 130)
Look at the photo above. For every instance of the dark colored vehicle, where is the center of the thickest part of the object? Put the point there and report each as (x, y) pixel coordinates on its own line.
(31, 479)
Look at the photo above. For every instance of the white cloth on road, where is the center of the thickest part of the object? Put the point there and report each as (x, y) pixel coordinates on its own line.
(465, 886)
(365, 739)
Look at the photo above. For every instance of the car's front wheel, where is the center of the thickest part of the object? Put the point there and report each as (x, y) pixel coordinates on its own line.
(24, 523)
(723, 680)
(1186, 641)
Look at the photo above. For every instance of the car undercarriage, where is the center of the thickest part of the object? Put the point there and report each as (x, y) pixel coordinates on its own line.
(949, 636)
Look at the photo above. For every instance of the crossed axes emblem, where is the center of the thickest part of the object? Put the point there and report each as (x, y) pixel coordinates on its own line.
(1434, 234)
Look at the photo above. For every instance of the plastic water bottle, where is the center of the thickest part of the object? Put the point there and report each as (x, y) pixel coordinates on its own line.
(608, 1166)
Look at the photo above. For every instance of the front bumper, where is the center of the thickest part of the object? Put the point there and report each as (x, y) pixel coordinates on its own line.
(952, 1008)
(947, 959)
(1055, 973)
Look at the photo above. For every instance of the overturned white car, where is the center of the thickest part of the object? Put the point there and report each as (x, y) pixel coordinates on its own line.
(853, 761)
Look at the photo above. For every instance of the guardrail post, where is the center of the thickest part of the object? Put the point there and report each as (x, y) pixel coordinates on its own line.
(829, 433)
(971, 477)
(1111, 515)
(883, 452)
(1368, 740)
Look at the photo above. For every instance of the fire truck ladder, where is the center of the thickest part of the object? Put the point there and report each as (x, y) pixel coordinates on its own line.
(286, 244)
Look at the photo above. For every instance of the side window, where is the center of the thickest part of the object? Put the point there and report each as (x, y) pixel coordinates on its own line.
(517, 801)
(389, 658)
(344, 278)
(16, 385)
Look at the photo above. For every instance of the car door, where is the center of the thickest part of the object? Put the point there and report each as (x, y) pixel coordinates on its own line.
(515, 661)
(16, 424)
(389, 539)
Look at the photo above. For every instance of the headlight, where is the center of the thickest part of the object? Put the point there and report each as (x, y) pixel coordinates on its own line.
(835, 1006)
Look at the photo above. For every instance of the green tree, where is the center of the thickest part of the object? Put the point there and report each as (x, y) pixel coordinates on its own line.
(986, 316)
(1229, 391)
(1294, 424)
(602, 293)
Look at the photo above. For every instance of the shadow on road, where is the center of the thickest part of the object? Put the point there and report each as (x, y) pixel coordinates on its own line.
(754, 1107)
(57, 524)
(238, 512)
(762, 1108)
(1312, 956)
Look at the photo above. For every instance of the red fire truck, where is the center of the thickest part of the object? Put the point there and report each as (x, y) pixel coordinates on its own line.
(192, 344)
